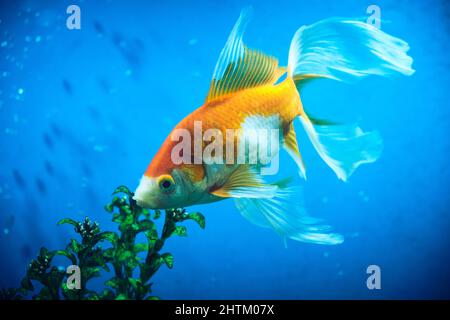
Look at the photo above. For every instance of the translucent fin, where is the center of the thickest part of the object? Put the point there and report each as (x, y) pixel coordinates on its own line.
(239, 67)
(301, 80)
(291, 146)
(245, 182)
(285, 213)
(343, 49)
(343, 147)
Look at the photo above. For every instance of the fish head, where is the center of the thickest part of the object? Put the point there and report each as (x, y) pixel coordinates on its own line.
(167, 184)
(165, 191)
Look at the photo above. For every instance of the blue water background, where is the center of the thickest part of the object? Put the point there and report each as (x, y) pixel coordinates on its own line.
(83, 111)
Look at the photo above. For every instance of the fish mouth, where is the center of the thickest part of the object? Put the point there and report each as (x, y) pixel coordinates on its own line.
(142, 203)
(143, 194)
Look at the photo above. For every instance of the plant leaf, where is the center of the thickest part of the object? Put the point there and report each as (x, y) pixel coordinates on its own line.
(92, 273)
(140, 247)
(68, 255)
(155, 262)
(93, 296)
(135, 283)
(27, 284)
(180, 231)
(145, 225)
(197, 217)
(108, 254)
(124, 255)
(112, 237)
(106, 294)
(67, 221)
(123, 189)
(168, 259)
(75, 246)
(113, 283)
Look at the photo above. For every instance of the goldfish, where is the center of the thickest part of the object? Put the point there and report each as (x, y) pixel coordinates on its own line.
(250, 90)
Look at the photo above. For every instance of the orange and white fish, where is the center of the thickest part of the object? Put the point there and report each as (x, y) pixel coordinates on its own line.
(250, 90)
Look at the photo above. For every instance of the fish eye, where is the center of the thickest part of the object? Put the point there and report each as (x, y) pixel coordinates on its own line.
(166, 183)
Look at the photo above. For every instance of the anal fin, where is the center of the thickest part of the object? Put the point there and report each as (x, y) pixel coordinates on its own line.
(285, 213)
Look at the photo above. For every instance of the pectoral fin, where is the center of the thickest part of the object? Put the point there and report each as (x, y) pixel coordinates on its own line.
(244, 182)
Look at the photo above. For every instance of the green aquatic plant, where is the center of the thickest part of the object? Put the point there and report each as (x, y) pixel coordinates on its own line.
(131, 263)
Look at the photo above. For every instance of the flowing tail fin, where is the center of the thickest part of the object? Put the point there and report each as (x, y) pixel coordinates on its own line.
(285, 213)
(343, 50)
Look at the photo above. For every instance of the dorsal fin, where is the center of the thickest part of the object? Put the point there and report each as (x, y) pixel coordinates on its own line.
(239, 67)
